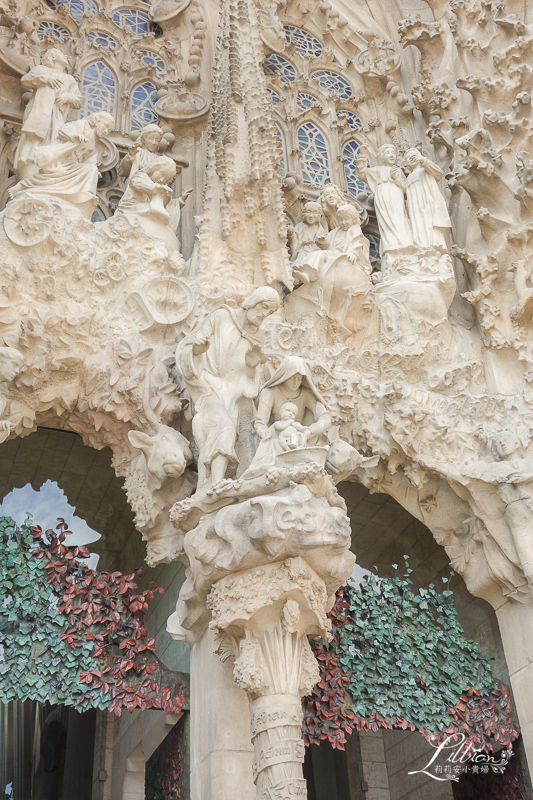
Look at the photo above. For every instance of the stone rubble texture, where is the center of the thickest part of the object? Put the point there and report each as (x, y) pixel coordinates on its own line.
(178, 330)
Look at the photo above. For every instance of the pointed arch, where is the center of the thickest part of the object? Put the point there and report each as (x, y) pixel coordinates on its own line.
(98, 89)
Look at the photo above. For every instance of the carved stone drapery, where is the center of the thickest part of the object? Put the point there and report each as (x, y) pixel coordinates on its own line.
(265, 616)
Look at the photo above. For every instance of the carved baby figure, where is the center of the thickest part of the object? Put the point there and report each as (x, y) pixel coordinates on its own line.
(290, 434)
(302, 237)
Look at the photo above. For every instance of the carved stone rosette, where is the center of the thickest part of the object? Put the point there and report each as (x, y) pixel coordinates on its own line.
(266, 614)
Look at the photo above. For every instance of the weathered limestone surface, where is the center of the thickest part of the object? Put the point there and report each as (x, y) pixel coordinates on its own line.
(237, 387)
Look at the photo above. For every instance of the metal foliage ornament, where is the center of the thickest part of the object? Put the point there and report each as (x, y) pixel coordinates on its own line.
(71, 635)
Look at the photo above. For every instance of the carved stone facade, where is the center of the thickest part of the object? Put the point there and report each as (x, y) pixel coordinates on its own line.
(346, 294)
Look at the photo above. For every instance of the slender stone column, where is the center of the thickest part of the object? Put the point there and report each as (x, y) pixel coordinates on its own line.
(264, 616)
(516, 628)
(221, 753)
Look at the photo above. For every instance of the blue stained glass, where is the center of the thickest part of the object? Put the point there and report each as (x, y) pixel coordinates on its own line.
(353, 122)
(375, 258)
(274, 98)
(314, 158)
(53, 28)
(331, 82)
(97, 215)
(278, 65)
(98, 89)
(102, 40)
(143, 100)
(306, 44)
(138, 22)
(78, 8)
(349, 154)
(152, 60)
(305, 100)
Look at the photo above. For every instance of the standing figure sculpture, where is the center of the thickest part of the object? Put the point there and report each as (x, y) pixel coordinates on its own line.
(55, 93)
(143, 153)
(68, 170)
(426, 205)
(388, 185)
(219, 361)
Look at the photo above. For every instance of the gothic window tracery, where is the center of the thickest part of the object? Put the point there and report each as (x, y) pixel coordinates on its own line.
(332, 82)
(349, 155)
(102, 40)
(353, 122)
(77, 9)
(375, 258)
(46, 28)
(275, 64)
(137, 22)
(143, 99)
(274, 98)
(98, 89)
(305, 43)
(314, 159)
(151, 59)
(304, 100)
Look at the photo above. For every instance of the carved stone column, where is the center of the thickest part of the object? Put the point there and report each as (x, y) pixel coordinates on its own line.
(263, 617)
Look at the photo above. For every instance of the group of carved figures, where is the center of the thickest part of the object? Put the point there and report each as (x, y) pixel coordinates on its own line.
(411, 214)
(60, 159)
(220, 361)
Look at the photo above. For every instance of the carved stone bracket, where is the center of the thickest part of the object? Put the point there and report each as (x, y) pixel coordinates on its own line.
(266, 614)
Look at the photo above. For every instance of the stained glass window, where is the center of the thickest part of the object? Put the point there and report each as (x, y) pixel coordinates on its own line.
(98, 215)
(151, 59)
(314, 155)
(375, 258)
(79, 8)
(306, 44)
(282, 170)
(274, 98)
(53, 28)
(102, 40)
(98, 89)
(305, 100)
(349, 154)
(331, 82)
(354, 123)
(278, 65)
(142, 106)
(137, 22)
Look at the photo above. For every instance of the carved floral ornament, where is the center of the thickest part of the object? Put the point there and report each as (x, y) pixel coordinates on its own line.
(238, 381)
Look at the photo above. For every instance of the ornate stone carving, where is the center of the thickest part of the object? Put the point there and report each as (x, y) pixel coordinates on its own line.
(54, 94)
(426, 206)
(388, 184)
(148, 197)
(219, 361)
(267, 614)
(68, 170)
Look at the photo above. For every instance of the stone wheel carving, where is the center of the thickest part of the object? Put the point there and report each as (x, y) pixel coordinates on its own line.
(28, 221)
(165, 300)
